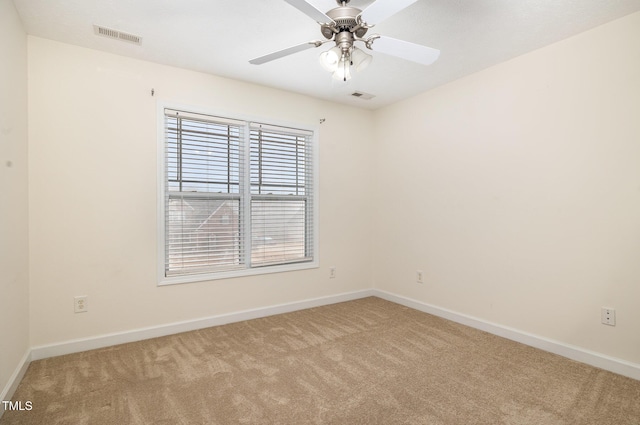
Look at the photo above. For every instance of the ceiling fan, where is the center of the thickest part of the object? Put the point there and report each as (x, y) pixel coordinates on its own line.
(346, 25)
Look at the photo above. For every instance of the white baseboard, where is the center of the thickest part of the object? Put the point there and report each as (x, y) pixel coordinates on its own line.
(612, 364)
(15, 379)
(84, 344)
(619, 366)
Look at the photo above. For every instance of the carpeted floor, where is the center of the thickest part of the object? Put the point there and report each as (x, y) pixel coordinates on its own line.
(368, 361)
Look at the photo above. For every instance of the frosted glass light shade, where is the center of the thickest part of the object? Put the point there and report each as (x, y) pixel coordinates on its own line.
(330, 59)
(360, 59)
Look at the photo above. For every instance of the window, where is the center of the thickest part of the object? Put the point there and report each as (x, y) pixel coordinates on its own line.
(237, 197)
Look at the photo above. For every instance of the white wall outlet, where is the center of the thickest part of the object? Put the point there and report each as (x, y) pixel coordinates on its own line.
(332, 272)
(419, 276)
(608, 316)
(81, 304)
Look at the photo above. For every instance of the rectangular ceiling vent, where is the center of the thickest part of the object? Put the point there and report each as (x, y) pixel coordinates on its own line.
(362, 95)
(117, 35)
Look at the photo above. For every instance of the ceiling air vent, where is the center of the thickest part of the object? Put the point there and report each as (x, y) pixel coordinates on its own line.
(117, 35)
(362, 95)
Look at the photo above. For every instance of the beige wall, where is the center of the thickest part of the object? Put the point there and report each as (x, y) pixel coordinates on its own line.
(93, 184)
(14, 289)
(517, 191)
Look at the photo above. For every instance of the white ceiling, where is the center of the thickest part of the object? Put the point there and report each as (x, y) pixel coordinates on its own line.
(220, 37)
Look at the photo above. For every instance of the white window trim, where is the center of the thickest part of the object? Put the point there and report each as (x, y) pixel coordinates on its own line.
(171, 280)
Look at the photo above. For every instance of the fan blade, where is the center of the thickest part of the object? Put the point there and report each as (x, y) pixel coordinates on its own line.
(284, 52)
(380, 10)
(405, 50)
(311, 11)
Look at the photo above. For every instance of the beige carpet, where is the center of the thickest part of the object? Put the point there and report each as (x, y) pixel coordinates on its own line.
(361, 362)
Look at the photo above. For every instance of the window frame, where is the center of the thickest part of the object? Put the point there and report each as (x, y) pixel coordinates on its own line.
(246, 269)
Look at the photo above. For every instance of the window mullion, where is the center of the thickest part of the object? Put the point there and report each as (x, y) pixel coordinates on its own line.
(297, 165)
(179, 152)
(228, 159)
(259, 161)
(245, 190)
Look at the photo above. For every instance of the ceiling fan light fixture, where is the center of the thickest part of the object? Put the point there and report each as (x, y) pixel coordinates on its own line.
(360, 59)
(330, 59)
(345, 25)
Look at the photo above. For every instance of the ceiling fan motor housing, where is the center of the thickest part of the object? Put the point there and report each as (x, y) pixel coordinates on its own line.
(346, 20)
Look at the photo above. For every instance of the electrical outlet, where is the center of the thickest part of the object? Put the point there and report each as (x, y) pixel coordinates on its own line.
(419, 276)
(81, 304)
(332, 272)
(608, 316)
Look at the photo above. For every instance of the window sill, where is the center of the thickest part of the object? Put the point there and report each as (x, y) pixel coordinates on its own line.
(203, 277)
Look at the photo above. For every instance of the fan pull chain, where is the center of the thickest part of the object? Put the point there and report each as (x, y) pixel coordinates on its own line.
(345, 71)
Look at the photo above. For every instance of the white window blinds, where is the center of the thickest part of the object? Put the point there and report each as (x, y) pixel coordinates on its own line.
(237, 195)
(281, 207)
